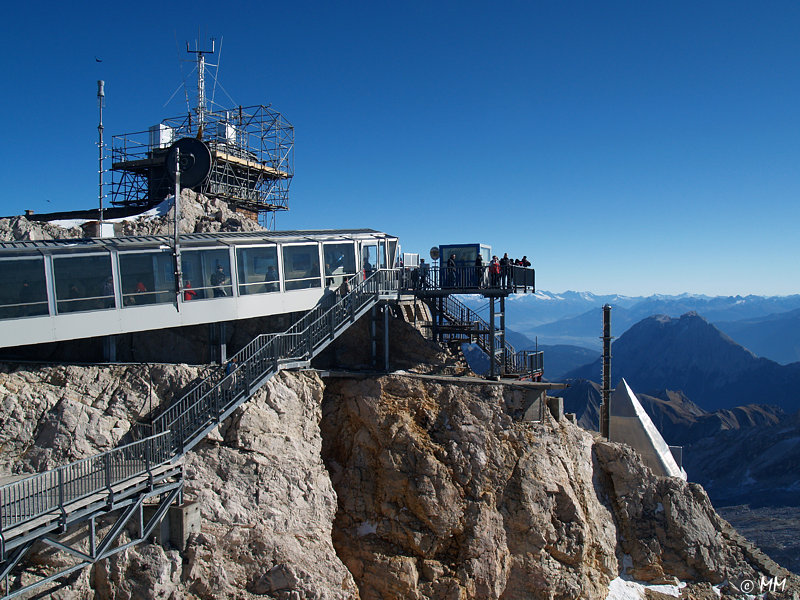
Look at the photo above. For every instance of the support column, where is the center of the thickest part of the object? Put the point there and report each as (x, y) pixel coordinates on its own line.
(386, 337)
(217, 332)
(110, 348)
(504, 363)
(373, 334)
(605, 409)
(492, 356)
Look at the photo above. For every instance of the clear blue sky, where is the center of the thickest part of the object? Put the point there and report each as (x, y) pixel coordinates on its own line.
(629, 147)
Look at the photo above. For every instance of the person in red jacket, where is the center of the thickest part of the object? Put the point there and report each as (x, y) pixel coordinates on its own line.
(188, 292)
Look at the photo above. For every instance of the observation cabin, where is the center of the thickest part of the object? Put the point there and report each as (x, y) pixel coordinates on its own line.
(59, 290)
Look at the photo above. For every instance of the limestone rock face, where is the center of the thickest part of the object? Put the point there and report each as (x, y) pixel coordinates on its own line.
(443, 495)
(265, 496)
(267, 501)
(198, 215)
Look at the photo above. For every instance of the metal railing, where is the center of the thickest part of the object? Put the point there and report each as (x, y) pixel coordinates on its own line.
(193, 414)
(509, 278)
(51, 491)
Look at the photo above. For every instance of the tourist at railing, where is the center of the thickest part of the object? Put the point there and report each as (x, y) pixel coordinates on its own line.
(217, 281)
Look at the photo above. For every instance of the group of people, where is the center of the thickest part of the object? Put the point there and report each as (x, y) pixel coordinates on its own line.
(218, 280)
(498, 273)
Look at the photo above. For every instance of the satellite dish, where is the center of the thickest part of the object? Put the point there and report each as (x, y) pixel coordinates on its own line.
(195, 161)
(435, 253)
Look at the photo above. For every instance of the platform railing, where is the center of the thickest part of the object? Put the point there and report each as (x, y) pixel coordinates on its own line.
(51, 491)
(190, 417)
(509, 278)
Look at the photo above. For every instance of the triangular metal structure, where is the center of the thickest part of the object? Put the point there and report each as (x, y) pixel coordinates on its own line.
(630, 423)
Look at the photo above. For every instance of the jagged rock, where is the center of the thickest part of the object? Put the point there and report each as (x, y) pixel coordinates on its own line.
(198, 213)
(20, 228)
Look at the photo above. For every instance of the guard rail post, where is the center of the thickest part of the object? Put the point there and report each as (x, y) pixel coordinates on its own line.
(61, 507)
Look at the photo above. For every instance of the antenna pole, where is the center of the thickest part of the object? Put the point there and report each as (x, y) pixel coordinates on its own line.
(100, 99)
(201, 83)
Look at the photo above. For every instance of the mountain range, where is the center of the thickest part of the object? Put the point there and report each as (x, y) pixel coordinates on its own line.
(764, 324)
(692, 355)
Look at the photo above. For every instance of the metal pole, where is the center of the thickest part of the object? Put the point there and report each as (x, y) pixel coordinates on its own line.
(491, 338)
(503, 334)
(177, 232)
(100, 98)
(605, 412)
(386, 336)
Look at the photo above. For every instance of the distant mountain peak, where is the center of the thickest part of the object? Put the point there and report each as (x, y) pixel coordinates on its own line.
(690, 354)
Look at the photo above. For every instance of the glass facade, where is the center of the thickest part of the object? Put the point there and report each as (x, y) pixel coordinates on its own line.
(206, 274)
(83, 283)
(258, 270)
(301, 267)
(147, 278)
(340, 262)
(23, 293)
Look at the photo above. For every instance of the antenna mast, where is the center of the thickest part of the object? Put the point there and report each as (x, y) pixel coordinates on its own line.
(201, 83)
(100, 99)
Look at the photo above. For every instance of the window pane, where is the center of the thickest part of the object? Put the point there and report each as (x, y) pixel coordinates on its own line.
(83, 283)
(465, 255)
(147, 278)
(23, 293)
(301, 267)
(206, 274)
(340, 261)
(258, 270)
(392, 245)
(369, 258)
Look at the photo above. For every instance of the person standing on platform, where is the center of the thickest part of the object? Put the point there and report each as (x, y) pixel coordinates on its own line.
(188, 292)
(451, 271)
(424, 269)
(217, 281)
(504, 267)
(494, 271)
(479, 271)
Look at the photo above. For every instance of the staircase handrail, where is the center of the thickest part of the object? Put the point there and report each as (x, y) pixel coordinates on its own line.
(523, 361)
(49, 491)
(260, 359)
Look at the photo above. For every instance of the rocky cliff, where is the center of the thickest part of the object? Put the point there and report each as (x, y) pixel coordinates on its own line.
(392, 486)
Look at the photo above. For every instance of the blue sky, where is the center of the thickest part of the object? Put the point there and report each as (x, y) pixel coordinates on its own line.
(626, 147)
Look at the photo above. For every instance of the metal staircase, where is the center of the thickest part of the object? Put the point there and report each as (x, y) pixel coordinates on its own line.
(40, 507)
(455, 321)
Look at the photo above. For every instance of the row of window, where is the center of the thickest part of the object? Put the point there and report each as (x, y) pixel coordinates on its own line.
(85, 282)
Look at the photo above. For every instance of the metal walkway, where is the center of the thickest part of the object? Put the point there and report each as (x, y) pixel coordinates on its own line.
(40, 507)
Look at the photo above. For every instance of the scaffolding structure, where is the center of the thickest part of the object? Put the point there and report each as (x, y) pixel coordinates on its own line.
(252, 152)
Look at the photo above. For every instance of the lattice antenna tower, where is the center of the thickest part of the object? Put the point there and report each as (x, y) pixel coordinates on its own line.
(243, 155)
